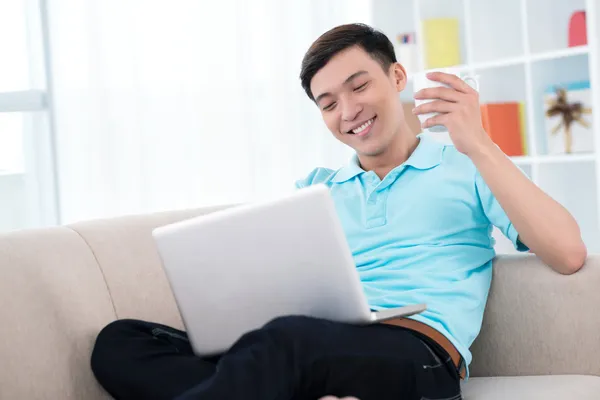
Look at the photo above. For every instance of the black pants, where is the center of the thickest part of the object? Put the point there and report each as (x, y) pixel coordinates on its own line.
(290, 358)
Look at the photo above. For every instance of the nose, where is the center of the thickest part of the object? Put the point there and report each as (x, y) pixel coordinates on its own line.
(350, 109)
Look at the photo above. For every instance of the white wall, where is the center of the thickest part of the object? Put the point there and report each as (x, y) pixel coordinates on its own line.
(13, 207)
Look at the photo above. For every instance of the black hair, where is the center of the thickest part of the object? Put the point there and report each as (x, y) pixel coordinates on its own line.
(340, 38)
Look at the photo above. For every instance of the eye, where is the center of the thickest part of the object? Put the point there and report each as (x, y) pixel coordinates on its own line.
(361, 87)
(329, 107)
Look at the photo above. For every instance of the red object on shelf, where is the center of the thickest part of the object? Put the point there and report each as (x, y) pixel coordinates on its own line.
(577, 29)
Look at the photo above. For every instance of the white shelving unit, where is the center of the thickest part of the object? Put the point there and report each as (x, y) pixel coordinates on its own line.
(518, 48)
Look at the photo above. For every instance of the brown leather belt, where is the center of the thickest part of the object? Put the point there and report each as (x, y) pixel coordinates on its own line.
(434, 335)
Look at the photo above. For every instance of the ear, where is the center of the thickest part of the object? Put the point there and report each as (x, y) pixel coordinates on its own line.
(398, 74)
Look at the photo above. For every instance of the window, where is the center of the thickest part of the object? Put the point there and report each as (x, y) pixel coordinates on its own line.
(14, 69)
(11, 140)
(26, 167)
(21, 77)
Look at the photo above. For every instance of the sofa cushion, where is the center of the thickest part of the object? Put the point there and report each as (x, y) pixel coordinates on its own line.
(54, 302)
(556, 387)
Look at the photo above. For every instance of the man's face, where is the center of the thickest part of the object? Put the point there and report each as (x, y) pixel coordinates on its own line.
(359, 101)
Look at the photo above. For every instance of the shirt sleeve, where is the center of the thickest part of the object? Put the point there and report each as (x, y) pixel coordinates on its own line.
(495, 214)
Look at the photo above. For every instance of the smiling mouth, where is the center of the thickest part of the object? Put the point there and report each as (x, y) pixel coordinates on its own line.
(363, 129)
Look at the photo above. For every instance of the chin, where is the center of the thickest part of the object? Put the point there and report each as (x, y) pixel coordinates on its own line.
(371, 152)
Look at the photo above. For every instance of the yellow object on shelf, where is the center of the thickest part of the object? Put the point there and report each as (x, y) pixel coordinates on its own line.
(523, 117)
(441, 42)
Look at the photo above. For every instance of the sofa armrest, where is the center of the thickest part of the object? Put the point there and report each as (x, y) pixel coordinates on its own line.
(538, 321)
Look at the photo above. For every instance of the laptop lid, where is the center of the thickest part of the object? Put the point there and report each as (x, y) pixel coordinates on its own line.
(234, 270)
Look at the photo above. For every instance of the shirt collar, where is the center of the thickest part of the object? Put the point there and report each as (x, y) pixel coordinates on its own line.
(349, 171)
(427, 155)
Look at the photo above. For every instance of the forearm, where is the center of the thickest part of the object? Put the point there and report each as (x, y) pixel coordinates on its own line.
(544, 225)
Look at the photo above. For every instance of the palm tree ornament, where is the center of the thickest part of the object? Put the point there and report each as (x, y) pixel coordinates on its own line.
(569, 112)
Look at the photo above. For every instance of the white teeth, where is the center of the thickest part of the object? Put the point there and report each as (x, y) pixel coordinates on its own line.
(363, 126)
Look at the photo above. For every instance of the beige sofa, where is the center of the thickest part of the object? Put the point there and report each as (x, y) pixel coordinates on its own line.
(60, 286)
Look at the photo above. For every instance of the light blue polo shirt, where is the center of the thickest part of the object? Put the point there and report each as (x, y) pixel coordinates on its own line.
(423, 234)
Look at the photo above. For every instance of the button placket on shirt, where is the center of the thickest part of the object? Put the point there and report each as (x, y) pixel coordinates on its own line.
(377, 193)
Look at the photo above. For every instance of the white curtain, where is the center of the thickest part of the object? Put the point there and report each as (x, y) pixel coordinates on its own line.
(165, 105)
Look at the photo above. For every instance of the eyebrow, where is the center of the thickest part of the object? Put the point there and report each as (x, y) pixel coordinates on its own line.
(348, 79)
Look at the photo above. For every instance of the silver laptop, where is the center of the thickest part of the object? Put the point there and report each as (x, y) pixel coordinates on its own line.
(234, 270)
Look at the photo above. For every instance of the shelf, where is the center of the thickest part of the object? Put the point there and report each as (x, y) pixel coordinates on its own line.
(556, 54)
(566, 158)
(554, 159)
(522, 160)
(519, 49)
(549, 55)
(514, 61)
(500, 63)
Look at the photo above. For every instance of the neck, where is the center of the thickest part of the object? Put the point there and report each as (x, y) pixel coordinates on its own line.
(403, 145)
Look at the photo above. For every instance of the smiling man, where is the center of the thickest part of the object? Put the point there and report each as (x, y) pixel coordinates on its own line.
(418, 216)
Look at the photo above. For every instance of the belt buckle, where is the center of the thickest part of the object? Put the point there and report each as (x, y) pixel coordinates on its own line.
(461, 368)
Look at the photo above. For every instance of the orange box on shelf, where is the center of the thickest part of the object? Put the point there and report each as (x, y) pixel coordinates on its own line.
(502, 121)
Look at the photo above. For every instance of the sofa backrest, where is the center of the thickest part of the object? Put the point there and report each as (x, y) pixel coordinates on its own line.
(538, 322)
(60, 286)
(54, 301)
